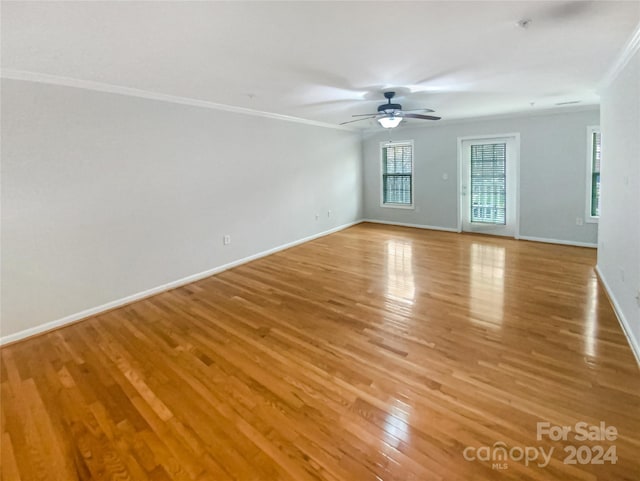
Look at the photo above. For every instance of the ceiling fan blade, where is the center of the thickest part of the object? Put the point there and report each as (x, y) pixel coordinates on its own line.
(366, 115)
(423, 117)
(357, 120)
(419, 110)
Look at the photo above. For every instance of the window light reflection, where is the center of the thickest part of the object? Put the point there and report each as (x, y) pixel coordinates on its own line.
(591, 324)
(400, 279)
(486, 278)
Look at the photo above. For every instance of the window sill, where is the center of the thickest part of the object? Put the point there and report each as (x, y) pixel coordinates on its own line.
(591, 220)
(398, 206)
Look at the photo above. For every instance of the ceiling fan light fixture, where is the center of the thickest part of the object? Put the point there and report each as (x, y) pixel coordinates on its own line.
(390, 122)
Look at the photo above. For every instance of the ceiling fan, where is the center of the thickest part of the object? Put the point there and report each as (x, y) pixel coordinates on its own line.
(390, 115)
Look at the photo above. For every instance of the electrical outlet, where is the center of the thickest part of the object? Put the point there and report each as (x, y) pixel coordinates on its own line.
(622, 274)
(226, 240)
(638, 297)
(328, 213)
(579, 221)
(317, 216)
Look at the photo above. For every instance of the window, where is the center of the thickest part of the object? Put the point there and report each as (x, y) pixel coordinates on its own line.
(397, 174)
(594, 156)
(488, 183)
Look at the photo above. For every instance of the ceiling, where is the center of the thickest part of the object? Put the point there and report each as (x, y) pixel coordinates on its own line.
(327, 60)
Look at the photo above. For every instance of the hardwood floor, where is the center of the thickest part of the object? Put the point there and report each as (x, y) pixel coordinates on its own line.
(376, 353)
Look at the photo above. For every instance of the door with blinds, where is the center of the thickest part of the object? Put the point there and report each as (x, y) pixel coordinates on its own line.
(489, 185)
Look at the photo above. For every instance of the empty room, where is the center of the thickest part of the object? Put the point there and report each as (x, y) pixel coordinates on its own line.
(320, 240)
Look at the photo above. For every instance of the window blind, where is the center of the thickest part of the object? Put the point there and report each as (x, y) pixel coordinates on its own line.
(488, 183)
(397, 172)
(595, 174)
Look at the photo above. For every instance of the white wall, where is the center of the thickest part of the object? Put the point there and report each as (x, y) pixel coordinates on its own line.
(619, 242)
(105, 195)
(552, 173)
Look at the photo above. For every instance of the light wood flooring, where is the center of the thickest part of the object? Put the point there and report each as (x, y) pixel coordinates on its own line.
(376, 353)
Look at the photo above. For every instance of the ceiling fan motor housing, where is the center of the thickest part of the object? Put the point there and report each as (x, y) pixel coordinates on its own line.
(388, 107)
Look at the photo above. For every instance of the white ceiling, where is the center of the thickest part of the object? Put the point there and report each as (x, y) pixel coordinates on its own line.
(327, 60)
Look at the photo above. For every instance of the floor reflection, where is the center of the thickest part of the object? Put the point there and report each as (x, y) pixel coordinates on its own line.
(486, 280)
(591, 318)
(396, 424)
(400, 280)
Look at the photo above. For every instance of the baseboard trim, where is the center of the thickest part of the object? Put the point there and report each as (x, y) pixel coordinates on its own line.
(624, 324)
(453, 229)
(417, 226)
(558, 241)
(79, 316)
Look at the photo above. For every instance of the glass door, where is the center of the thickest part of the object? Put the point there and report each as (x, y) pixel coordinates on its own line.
(488, 185)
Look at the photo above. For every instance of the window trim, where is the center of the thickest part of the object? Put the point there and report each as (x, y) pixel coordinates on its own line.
(591, 129)
(389, 143)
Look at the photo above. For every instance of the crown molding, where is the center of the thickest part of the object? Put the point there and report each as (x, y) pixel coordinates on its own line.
(486, 118)
(13, 74)
(146, 94)
(628, 51)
